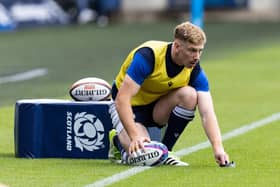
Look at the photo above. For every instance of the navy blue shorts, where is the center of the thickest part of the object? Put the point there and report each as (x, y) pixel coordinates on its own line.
(143, 114)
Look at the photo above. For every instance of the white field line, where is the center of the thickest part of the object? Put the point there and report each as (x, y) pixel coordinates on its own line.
(183, 152)
(24, 75)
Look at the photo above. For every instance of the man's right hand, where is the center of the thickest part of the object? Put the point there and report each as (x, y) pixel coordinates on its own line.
(137, 144)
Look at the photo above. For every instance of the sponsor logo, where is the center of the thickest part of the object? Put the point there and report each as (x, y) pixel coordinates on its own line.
(86, 130)
(170, 83)
(89, 87)
(143, 157)
(91, 92)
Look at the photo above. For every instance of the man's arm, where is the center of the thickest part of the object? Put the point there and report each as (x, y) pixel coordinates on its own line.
(140, 68)
(211, 127)
(123, 105)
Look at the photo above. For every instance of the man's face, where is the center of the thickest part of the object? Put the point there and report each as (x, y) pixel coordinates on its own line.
(188, 54)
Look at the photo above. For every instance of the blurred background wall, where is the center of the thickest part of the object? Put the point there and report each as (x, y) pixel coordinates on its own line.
(21, 13)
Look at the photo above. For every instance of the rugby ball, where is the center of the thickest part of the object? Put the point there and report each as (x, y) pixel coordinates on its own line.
(154, 153)
(90, 89)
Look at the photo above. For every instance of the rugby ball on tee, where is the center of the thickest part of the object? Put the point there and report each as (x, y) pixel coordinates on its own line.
(154, 153)
(90, 89)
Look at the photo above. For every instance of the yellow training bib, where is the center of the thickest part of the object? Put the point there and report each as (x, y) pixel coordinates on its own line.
(158, 83)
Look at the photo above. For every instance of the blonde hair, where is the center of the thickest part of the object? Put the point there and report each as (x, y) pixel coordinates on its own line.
(189, 32)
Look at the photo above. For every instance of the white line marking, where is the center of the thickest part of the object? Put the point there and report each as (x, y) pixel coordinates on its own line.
(231, 134)
(24, 75)
(183, 152)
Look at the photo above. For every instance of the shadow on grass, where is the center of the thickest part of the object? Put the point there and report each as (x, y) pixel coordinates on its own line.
(7, 155)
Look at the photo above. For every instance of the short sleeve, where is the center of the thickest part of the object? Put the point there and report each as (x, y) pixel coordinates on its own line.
(142, 65)
(199, 80)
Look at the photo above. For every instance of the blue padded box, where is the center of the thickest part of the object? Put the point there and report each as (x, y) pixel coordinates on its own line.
(48, 128)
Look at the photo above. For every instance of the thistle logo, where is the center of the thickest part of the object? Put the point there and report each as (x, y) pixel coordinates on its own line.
(88, 132)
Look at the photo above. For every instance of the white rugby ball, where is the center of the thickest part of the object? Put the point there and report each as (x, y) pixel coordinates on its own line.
(154, 153)
(90, 89)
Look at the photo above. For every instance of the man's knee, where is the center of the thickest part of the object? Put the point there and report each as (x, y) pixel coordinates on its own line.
(188, 97)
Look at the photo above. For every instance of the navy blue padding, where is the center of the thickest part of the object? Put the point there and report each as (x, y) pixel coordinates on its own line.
(62, 129)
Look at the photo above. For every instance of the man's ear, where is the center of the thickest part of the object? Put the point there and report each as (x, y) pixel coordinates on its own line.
(176, 45)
